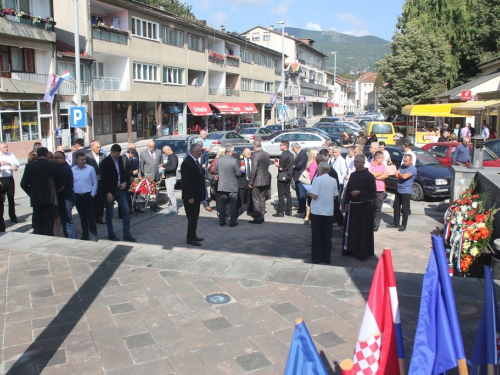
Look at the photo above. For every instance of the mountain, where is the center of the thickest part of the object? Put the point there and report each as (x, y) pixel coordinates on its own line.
(353, 52)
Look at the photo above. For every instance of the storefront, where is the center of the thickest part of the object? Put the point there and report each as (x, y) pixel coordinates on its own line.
(199, 117)
(24, 122)
(229, 115)
(170, 121)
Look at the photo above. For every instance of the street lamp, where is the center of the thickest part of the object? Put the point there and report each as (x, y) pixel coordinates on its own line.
(282, 62)
(334, 78)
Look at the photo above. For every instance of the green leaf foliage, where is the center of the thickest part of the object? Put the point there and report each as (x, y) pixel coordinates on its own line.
(172, 6)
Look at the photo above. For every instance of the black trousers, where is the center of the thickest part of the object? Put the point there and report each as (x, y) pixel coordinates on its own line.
(284, 194)
(377, 207)
(43, 219)
(259, 201)
(232, 197)
(337, 212)
(99, 201)
(9, 188)
(321, 228)
(85, 206)
(401, 204)
(192, 214)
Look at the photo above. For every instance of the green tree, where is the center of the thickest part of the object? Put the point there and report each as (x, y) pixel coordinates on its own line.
(487, 25)
(176, 7)
(379, 81)
(418, 67)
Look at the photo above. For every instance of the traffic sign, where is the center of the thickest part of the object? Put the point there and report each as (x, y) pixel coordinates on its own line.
(282, 111)
(78, 117)
(466, 95)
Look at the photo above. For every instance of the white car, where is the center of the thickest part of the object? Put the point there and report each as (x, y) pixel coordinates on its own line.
(303, 138)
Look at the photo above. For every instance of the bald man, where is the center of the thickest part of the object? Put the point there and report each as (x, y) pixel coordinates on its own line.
(149, 164)
(169, 165)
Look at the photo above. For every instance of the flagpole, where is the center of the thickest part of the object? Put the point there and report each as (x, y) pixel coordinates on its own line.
(347, 367)
(462, 367)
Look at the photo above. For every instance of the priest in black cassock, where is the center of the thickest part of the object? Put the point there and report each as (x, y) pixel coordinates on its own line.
(358, 226)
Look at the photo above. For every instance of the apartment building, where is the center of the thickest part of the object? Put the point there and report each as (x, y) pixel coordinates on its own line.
(363, 86)
(341, 94)
(27, 40)
(152, 72)
(306, 92)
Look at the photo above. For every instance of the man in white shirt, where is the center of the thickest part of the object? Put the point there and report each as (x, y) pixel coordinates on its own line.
(8, 165)
(407, 150)
(338, 163)
(85, 187)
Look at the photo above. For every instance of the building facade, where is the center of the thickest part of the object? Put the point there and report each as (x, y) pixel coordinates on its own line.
(362, 87)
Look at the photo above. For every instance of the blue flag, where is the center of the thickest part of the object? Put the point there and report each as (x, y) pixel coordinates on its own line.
(438, 342)
(303, 358)
(485, 350)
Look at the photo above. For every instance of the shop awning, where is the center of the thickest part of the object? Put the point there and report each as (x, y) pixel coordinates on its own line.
(475, 108)
(433, 110)
(235, 108)
(199, 108)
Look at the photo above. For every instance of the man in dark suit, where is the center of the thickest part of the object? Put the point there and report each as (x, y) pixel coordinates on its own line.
(40, 181)
(259, 182)
(285, 172)
(193, 191)
(204, 160)
(299, 167)
(244, 192)
(114, 182)
(79, 148)
(149, 164)
(94, 159)
(228, 170)
(131, 173)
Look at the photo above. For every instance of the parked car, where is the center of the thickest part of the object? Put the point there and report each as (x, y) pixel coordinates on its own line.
(240, 127)
(493, 145)
(255, 134)
(330, 119)
(223, 138)
(302, 122)
(335, 131)
(349, 116)
(355, 127)
(443, 152)
(303, 138)
(433, 178)
(383, 130)
(277, 127)
(179, 144)
(376, 115)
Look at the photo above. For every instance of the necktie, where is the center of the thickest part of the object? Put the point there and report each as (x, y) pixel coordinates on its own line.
(247, 168)
(153, 156)
(198, 164)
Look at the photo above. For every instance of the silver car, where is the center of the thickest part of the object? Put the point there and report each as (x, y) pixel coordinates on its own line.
(255, 134)
(223, 138)
(179, 144)
(303, 138)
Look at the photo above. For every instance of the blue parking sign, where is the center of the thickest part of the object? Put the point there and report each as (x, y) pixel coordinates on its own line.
(282, 111)
(78, 117)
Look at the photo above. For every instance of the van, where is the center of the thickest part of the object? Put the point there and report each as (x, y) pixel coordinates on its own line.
(384, 131)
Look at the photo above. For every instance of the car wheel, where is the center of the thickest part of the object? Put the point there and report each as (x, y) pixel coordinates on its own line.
(418, 192)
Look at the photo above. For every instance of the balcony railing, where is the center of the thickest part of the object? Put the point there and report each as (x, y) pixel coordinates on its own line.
(111, 84)
(30, 77)
(277, 72)
(217, 59)
(231, 61)
(68, 88)
(110, 35)
(32, 21)
(232, 92)
(215, 90)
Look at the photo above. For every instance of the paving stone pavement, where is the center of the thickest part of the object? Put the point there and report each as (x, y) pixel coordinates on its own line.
(75, 307)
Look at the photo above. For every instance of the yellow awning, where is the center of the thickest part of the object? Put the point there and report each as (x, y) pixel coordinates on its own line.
(432, 110)
(474, 108)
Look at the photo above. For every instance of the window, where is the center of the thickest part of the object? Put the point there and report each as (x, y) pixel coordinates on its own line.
(196, 43)
(439, 151)
(246, 56)
(257, 59)
(144, 29)
(269, 62)
(246, 84)
(255, 37)
(266, 37)
(71, 68)
(269, 87)
(172, 37)
(19, 59)
(173, 75)
(99, 70)
(145, 72)
(17, 5)
(258, 86)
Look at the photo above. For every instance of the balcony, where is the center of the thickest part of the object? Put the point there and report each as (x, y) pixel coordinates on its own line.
(68, 88)
(216, 58)
(277, 72)
(232, 92)
(215, 90)
(233, 61)
(38, 22)
(109, 34)
(27, 29)
(111, 84)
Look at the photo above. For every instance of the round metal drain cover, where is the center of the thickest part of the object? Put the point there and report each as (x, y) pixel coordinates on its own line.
(217, 298)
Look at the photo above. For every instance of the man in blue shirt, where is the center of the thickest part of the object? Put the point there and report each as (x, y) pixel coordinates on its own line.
(204, 140)
(406, 175)
(461, 155)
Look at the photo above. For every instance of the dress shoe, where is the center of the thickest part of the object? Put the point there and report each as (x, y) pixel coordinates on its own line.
(375, 228)
(129, 238)
(222, 224)
(208, 208)
(279, 214)
(402, 228)
(288, 214)
(199, 239)
(138, 210)
(112, 237)
(194, 243)
(255, 222)
(84, 238)
(301, 211)
(233, 225)
(14, 221)
(393, 226)
(93, 237)
(100, 221)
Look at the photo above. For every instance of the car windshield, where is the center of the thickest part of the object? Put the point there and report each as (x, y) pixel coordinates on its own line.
(248, 131)
(215, 136)
(424, 158)
(382, 128)
(177, 146)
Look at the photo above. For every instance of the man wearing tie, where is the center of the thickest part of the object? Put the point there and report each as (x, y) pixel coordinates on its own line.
(193, 191)
(150, 163)
(94, 158)
(244, 192)
(259, 182)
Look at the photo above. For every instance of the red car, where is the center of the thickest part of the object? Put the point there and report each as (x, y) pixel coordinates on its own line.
(443, 151)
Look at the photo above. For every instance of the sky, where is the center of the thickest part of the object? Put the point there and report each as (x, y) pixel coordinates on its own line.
(355, 17)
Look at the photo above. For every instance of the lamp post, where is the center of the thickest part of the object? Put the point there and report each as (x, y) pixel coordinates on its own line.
(334, 78)
(282, 61)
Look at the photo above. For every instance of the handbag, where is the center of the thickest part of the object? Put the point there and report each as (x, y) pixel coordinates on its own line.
(391, 170)
(283, 176)
(305, 178)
